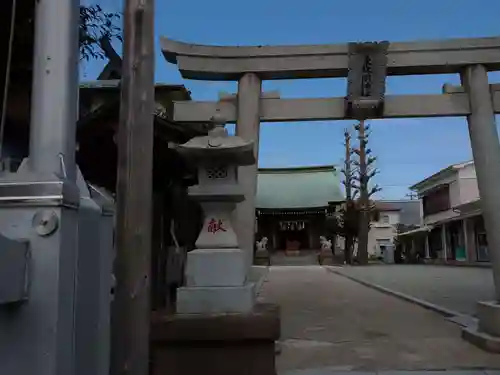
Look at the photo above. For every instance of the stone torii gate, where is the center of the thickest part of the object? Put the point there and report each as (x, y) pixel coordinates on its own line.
(366, 65)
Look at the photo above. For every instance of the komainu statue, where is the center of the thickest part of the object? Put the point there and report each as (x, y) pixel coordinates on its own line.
(262, 244)
(325, 244)
(262, 256)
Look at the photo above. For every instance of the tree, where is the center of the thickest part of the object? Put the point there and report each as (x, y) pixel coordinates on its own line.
(348, 214)
(345, 222)
(365, 172)
(95, 25)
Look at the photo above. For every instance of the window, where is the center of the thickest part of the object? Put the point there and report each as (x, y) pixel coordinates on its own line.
(383, 244)
(216, 173)
(437, 201)
(384, 219)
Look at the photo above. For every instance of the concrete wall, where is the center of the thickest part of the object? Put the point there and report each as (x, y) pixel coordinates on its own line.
(468, 184)
(440, 216)
(454, 190)
(379, 233)
(410, 212)
(394, 218)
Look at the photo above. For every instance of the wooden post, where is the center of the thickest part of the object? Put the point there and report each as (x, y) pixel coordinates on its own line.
(131, 310)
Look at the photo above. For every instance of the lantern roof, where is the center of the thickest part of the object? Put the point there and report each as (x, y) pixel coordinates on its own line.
(219, 145)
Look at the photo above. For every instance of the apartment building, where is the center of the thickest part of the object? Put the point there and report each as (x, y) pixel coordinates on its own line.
(452, 227)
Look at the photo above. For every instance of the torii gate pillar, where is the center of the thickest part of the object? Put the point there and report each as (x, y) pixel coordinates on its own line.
(486, 152)
(248, 127)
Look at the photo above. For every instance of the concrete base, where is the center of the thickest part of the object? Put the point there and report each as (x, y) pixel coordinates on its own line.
(222, 344)
(488, 314)
(481, 340)
(262, 258)
(487, 333)
(217, 267)
(230, 299)
(325, 257)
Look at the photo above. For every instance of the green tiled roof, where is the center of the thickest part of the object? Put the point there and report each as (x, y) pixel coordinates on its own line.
(304, 187)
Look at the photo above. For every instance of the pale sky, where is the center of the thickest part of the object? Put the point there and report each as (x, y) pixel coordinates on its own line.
(408, 150)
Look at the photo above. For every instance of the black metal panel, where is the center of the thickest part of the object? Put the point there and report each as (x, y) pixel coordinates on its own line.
(14, 257)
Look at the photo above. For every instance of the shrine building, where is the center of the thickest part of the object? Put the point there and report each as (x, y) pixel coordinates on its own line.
(292, 206)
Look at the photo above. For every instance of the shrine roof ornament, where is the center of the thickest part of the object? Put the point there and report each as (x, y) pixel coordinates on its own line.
(205, 62)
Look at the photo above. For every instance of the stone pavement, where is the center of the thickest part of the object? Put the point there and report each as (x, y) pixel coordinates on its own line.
(280, 259)
(331, 323)
(455, 288)
(330, 371)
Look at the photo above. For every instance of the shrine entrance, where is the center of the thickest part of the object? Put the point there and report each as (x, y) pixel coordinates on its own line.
(293, 235)
(366, 65)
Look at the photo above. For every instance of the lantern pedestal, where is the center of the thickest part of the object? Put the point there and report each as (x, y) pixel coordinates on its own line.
(216, 271)
(222, 344)
(225, 299)
(215, 268)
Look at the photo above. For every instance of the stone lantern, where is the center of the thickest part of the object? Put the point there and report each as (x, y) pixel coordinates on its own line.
(218, 327)
(216, 269)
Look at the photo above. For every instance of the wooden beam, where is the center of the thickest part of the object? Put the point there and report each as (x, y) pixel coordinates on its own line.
(323, 109)
(216, 63)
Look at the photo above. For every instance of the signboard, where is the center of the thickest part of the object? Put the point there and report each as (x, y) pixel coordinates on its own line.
(366, 80)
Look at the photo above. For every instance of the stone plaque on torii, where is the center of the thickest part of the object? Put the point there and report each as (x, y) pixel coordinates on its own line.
(366, 65)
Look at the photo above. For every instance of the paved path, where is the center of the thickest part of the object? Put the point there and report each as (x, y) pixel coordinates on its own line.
(456, 288)
(330, 321)
(280, 259)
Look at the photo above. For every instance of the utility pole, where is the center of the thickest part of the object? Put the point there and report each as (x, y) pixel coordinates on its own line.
(412, 195)
(365, 174)
(131, 307)
(347, 171)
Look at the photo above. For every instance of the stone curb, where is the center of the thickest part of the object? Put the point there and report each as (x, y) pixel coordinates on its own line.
(259, 275)
(427, 305)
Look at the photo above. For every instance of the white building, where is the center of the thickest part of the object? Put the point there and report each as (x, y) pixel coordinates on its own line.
(390, 214)
(452, 228)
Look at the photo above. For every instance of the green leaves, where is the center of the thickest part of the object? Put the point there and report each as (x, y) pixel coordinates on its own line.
(96, 24)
